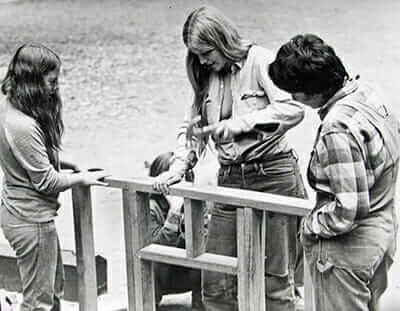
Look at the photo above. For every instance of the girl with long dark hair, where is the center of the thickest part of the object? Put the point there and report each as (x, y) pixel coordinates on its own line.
(31, 128)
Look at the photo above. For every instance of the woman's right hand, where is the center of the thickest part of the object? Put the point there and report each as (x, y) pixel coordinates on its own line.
(164, 180)
(93, 178)
(175, 204)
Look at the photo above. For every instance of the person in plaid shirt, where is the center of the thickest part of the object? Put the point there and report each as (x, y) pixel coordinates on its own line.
(349, 237)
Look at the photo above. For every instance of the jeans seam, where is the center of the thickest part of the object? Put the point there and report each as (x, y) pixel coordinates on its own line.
(225, 173)
(242, 166)
(298, 177)
(40, 235)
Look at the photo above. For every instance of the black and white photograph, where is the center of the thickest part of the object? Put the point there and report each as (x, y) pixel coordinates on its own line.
(199, 155)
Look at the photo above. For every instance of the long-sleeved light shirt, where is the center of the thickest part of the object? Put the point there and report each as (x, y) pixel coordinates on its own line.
(263, 112)
(348, 161)
(31, 183)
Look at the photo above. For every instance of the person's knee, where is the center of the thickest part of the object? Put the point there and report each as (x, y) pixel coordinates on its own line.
(44, 300)
(279, 287)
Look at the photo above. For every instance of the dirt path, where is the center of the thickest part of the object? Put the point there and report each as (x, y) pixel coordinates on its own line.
(124, 84)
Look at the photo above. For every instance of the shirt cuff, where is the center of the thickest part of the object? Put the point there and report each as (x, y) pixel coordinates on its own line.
(173, 222)
(307, 228)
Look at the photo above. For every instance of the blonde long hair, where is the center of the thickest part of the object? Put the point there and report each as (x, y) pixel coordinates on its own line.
(205, 29)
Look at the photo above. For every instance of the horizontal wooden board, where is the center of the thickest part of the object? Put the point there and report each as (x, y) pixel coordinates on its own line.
(238, 197)
(177, 256)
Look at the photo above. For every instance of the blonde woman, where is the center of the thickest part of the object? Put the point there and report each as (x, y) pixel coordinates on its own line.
(240, 109)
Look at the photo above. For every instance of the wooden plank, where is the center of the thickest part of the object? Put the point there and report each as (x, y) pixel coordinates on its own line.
(263, 251)
(194, 227)
(246, 242)
(243, 249)
(149, 298)
(308, 289)
(128, 201)
(141, 294)
(232, 196)
(177, 256)
(251, 288)
(84, 243)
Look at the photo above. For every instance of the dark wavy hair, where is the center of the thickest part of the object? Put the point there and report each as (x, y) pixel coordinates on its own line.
(306, 64)
(25, 88)
(160, 164)
(163, 162)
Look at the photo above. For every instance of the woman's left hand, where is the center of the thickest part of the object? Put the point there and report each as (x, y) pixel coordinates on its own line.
(227, 129)
(223, 130)
(164, 180)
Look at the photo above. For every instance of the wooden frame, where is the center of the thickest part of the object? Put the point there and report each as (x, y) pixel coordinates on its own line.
(141, 253)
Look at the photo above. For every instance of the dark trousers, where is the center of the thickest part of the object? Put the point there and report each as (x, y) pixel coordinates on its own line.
(171, 279)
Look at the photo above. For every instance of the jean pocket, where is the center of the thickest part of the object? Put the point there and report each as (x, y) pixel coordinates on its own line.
(362, 260)
(281, 170)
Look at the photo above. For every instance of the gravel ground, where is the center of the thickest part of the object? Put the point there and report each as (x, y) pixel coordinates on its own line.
(125, 90)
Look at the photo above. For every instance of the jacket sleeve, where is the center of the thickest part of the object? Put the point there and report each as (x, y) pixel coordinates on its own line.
(185, 149)
(341, 163)
(277, 118)
(163, 232)
(26, 141)
(282, 112)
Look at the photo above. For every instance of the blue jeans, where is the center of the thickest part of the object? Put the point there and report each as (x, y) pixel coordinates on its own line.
(39, 261)
(279, 176)
(349, 272)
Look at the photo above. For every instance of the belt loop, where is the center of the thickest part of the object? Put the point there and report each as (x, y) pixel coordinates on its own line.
(227, 171)
(242, 168)
(256, 166)
(295, 155)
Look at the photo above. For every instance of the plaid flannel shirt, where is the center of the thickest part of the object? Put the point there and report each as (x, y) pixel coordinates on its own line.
(348, 155)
